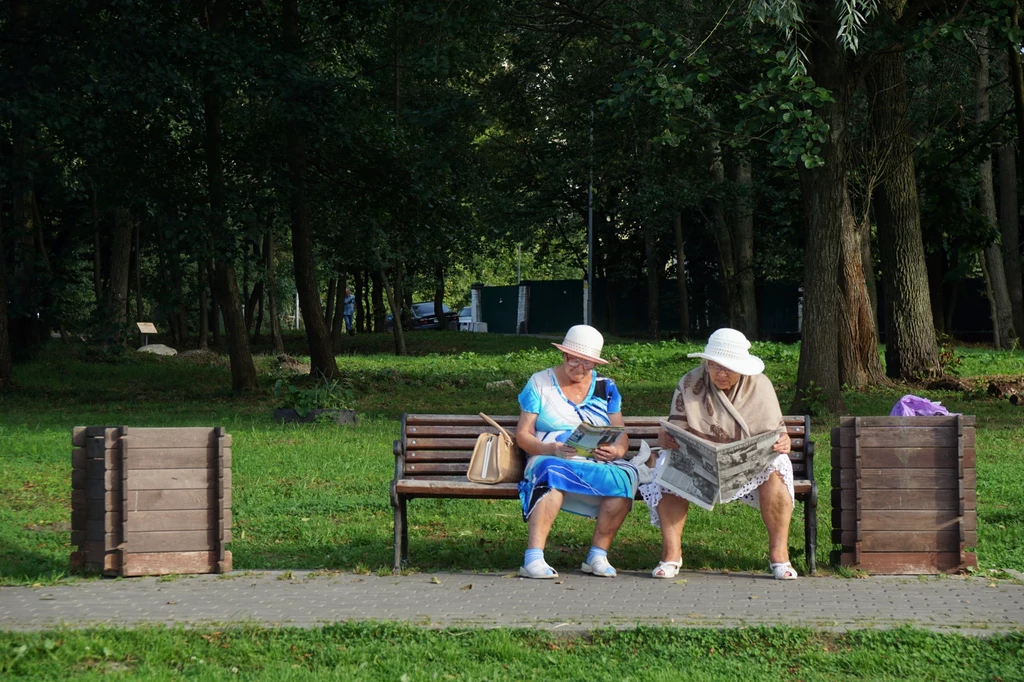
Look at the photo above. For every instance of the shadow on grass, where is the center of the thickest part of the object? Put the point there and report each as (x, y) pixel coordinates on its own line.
(20, 563)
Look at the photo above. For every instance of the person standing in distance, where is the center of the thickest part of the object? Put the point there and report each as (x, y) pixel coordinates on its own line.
(350, 302)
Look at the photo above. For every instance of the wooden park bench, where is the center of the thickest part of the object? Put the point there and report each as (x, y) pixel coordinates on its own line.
(432, 457)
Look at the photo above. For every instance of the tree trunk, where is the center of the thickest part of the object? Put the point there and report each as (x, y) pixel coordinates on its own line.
(442, 319)
(396, 313)
(332, 293)
(6, 362)
(275, 317)
(1009, 227)
(214, 307)
(339, 315)
(992, 263)
(652, 267)
(321, 355)
(910, 347)
(377, 296)
(120, 259)
(360, 292)
(243, 371)
(178, 299)
(138, 273)
(684, 303)
(251, 307)
(864, 228)
(824, 199)
(859, 362)
(97, 260)
(258, 325)
(204, 307)
(742, 244)
(724, 239)
(1016, 74)
(743, 248)
(25, 326)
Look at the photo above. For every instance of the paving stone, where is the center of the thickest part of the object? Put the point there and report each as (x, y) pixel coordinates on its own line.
(574, 603)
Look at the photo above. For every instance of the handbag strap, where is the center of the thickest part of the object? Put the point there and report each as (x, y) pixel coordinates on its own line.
(497, 426)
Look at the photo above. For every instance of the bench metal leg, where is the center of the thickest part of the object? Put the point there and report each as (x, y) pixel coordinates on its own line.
(401, 535)
(811, 529)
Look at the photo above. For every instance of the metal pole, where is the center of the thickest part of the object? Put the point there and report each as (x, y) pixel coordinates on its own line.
(519, 265)
(590, 227)
(296, 309)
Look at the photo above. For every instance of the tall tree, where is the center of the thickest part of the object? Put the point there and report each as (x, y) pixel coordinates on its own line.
(117, 291)
(991, 256)
(1009, 227)
(6, 365)
(321, 355)
(684, 306)
(826, 211)
(910, 346)
(225, 281)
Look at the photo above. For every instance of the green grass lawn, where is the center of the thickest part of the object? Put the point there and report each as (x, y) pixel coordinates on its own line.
(394, 652)
(316, 496)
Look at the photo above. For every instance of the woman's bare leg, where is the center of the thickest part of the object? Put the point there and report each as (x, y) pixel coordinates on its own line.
(541, 519)
(610, 516)
(672, 512)
(776, 512)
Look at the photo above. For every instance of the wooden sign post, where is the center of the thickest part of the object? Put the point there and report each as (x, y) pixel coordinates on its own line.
(146, 328)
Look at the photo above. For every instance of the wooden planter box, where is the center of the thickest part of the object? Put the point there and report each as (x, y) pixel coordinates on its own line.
(150, 501)
(903, 494)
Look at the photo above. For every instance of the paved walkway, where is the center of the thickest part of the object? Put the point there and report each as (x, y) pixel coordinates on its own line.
(574, 603)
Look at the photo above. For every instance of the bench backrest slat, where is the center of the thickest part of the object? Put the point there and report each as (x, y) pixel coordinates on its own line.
(440, 445)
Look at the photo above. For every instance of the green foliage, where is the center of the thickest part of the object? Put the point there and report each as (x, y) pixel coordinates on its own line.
(785, 101)
(949, 360)
(324, 394)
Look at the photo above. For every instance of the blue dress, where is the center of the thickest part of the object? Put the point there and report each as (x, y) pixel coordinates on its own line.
(583, 481)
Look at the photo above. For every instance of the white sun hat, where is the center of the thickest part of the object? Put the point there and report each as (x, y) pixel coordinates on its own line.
(583, 341)
(730, 349)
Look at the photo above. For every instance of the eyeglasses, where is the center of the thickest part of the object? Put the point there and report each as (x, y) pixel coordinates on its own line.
(715, 368)
(574, 361)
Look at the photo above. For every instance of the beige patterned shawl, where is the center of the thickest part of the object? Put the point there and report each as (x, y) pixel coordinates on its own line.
(750, 407)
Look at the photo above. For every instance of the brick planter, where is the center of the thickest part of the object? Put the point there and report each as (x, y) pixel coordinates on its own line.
(903, 494)
(150, 501)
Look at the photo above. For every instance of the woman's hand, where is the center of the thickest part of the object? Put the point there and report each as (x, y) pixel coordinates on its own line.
(608, 453)
(783, 444)
(562, 450)
(665, 441)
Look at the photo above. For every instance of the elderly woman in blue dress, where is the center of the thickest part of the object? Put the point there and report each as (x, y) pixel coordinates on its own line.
(725, 399)
(554, 402)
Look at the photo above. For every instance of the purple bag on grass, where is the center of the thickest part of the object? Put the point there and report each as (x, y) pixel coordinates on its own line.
(914, 406)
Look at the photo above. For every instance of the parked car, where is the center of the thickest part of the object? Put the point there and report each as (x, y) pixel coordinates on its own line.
(465, 319)
(422, 317)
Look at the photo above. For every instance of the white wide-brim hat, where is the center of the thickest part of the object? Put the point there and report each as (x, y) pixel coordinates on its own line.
(583, 341)
(730, 349)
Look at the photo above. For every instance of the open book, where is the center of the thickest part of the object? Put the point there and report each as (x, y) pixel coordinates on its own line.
(706, 473)
(587, 437)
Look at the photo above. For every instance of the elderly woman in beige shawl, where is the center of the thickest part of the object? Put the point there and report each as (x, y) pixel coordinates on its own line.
(725, 399)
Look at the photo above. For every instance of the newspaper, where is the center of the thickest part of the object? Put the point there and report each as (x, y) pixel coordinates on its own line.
(707, 473)
(587, 437)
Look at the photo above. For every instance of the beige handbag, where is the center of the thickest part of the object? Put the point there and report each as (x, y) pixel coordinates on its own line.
(496, 458)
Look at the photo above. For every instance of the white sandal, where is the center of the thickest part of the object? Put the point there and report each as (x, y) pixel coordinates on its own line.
(783, 571)
(538, 569)
(669, 569)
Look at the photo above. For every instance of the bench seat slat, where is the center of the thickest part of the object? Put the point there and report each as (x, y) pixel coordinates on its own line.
(456, 488)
